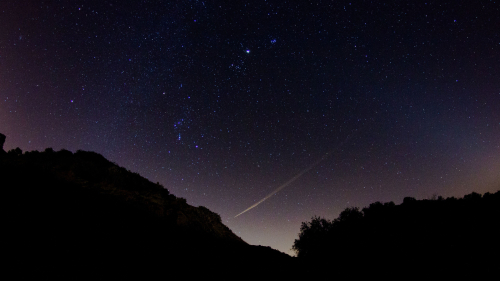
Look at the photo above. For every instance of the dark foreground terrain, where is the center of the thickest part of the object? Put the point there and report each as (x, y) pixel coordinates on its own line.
(451, 236)
(77, 214)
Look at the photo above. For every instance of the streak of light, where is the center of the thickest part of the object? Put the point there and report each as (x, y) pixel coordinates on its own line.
(299, 174)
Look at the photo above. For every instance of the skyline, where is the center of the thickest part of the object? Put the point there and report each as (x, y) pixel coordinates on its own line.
(334, 105)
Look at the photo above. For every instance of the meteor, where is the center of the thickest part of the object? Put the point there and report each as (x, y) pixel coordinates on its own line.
(298, 175)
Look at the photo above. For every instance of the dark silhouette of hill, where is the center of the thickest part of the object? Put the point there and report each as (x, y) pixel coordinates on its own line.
(80, 214)
(77, 214)
(451, 236)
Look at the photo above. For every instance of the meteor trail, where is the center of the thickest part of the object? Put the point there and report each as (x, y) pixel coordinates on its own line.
(297, 176)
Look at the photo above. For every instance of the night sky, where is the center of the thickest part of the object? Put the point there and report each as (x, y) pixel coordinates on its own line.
(223, 102)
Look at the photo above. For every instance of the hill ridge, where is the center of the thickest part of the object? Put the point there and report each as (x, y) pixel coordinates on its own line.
(91, 213)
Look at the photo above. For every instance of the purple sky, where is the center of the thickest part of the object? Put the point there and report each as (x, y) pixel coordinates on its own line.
(223, 102)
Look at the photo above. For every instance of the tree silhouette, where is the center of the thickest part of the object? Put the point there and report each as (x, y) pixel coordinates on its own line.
(436, 234)
(311, 237)
(350, 215)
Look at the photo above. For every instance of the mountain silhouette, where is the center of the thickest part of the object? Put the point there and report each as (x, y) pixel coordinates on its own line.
(72, 214)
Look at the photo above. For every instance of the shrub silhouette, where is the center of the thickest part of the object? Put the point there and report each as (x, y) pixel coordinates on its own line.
(15, 152)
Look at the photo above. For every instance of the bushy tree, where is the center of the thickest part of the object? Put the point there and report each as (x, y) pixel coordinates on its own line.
(350, 215)
(311, 237)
